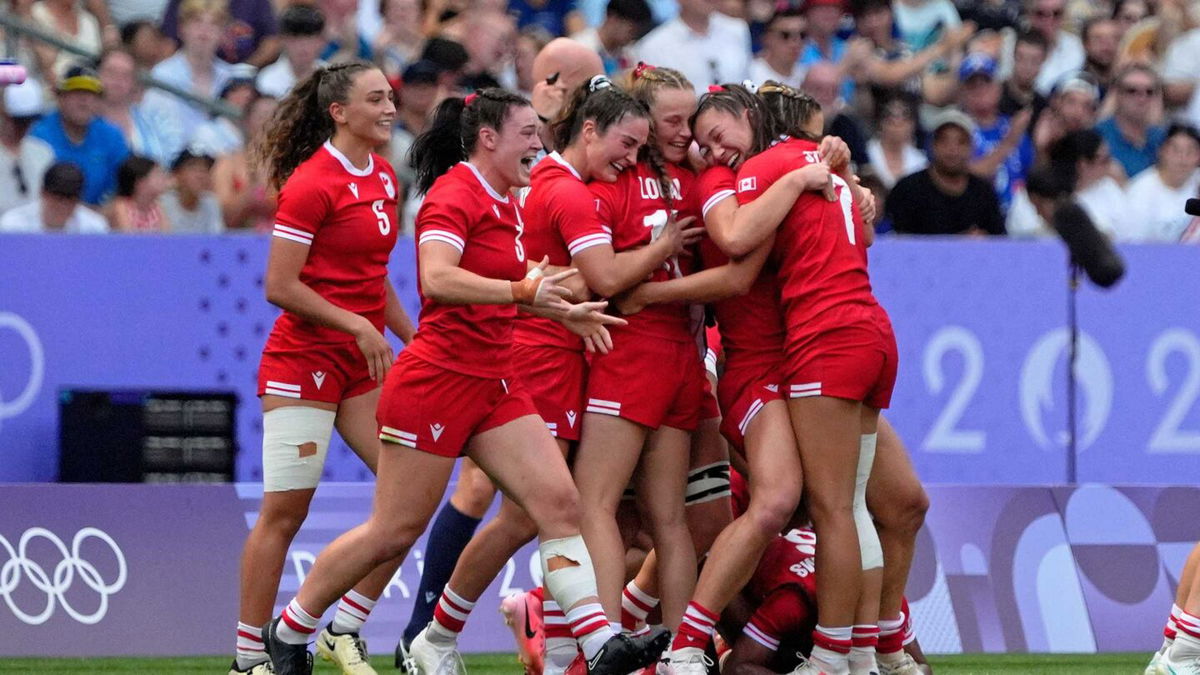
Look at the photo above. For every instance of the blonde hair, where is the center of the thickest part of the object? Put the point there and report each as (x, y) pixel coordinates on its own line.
(191, 9)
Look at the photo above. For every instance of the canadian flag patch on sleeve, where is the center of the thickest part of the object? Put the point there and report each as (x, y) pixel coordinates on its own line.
(747, 184)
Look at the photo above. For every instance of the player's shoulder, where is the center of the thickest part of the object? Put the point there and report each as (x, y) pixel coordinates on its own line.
(382, 165)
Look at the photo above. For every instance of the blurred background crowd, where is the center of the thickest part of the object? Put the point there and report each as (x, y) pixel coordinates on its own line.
(1104, 89)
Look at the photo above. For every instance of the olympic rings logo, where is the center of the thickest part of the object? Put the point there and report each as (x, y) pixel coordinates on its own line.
(37, 360)
(55, 584)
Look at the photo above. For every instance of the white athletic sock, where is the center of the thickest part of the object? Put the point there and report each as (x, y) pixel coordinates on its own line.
(352, 611)
(297, 626)
(590, 627)
(561, 647)
(250, 651)
(636, 604)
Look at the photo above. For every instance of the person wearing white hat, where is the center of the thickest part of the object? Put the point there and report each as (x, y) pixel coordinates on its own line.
(23, 158)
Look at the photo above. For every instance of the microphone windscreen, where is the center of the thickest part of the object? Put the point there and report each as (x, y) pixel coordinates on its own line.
(1089, 248)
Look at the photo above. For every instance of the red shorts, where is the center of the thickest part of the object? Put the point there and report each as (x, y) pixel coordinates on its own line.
(436, 410)
(650, 381)
(743, 392)
(555, 379)
(856, 362)
(330, 374)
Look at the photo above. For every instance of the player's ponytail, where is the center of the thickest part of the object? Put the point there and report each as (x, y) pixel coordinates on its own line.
(597, 100)
(736, 99)
(301, 123)
(454, 130)
(790, 110)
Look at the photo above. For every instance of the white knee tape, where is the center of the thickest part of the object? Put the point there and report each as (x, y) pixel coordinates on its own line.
(572, 583)
(868, 537)
(295, 442)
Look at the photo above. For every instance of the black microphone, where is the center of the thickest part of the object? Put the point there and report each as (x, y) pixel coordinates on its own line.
(1192, 207)
(1089, 249)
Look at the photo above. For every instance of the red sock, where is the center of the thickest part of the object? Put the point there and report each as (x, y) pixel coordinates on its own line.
(891, 635)
(451, 612)
(1169, 630)
(835, 640)
(864, 637)
(696, 629)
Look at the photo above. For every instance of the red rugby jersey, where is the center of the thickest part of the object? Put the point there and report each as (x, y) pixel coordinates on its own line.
(347, 217)
(462, 210)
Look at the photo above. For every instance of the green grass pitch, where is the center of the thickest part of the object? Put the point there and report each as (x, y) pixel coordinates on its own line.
(506, 664)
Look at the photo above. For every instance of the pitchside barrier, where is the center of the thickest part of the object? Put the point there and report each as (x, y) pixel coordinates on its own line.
(981, 403)
(153, 569)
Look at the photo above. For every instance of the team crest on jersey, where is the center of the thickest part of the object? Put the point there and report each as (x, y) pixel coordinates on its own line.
(747, 184)
(773, 387)
(436, 429)
(388, 186)
(571, 414)
(319, 378)
(354, 189)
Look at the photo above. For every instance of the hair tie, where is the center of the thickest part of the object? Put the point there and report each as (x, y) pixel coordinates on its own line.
(750, 86)
(715, 89)
(470, 98)
(640, 70)
(597, 83)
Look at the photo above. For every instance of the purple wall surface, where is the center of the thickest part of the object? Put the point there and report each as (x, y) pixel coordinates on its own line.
(152, 570)
(981, 327)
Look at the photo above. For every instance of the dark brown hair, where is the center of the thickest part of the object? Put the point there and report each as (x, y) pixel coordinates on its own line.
(454, 130)
(736, 99)
(598, 100)
(301, 123)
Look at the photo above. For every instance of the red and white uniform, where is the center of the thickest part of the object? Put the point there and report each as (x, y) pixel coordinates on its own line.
(751, 326)
(346, 217)
(839, 340)
(560, 220)
(628, 382)
(454, 380)
(784, 591)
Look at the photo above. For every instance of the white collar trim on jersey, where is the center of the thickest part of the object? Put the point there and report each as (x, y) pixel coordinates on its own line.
(559, 158)
(486, 185)
(347, 165)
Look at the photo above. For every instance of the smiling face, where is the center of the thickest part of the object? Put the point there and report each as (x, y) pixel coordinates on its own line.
(615, 149)
(368, 112)
(670, 113)
(514, 145)
(725, 138)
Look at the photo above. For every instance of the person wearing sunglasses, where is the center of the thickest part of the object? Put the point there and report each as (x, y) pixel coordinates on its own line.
(1132, 132)
(782, 42)
(1066, 53)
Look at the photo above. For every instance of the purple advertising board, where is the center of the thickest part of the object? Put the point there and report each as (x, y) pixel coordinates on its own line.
(153, 569)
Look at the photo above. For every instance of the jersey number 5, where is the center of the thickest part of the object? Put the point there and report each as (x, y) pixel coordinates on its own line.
(385, 223)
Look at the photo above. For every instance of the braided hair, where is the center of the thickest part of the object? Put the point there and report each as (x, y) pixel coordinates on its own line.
(645, 81)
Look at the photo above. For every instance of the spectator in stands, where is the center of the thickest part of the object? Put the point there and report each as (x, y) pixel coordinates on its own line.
(450, 57)
(120, 103)
(946, 198)
(125, 12)
(79, 135)
(558, 70)
(624, 21)
(1029, 53)
(194, 68)
(892, 66)
(1180, 77)
(342, 40)
(246, 203)
(68, 21)
(557, 17)
(249, 32)
(822, 83)
(146, 43)
(1100, 36)
(530, 41)
(1003, 151)
(488, 37)
(703, 44)
(191, 207)
(1066, 51)
(58, 209)
(822, 42)
(399, 41)
(1158, 195)
(222, 135)
(782, 42)
(892, 153)
(23, 158)
(1082, 159)
(302, 36)
(140, 184)
(1130, 132)
(995, 15)
(1127, 13)
(921, 23)
(1072, 107)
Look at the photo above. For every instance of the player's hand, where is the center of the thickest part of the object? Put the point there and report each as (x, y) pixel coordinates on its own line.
(375, 349)
(588, 321)
(678, 236)
(815, 177)
(539, 291)
(835, 153)
(866, 206)
(547, 99)
(631, 302)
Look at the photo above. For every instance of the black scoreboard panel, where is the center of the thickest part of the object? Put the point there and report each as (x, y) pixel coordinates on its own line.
(146, 436)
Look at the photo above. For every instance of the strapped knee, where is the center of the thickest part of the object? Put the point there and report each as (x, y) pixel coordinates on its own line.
(574, 582)
(295, 442)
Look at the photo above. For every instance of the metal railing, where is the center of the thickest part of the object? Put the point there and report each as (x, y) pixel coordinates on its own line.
(14, 24)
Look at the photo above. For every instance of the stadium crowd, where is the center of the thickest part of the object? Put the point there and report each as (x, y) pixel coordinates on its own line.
(1109, 87)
